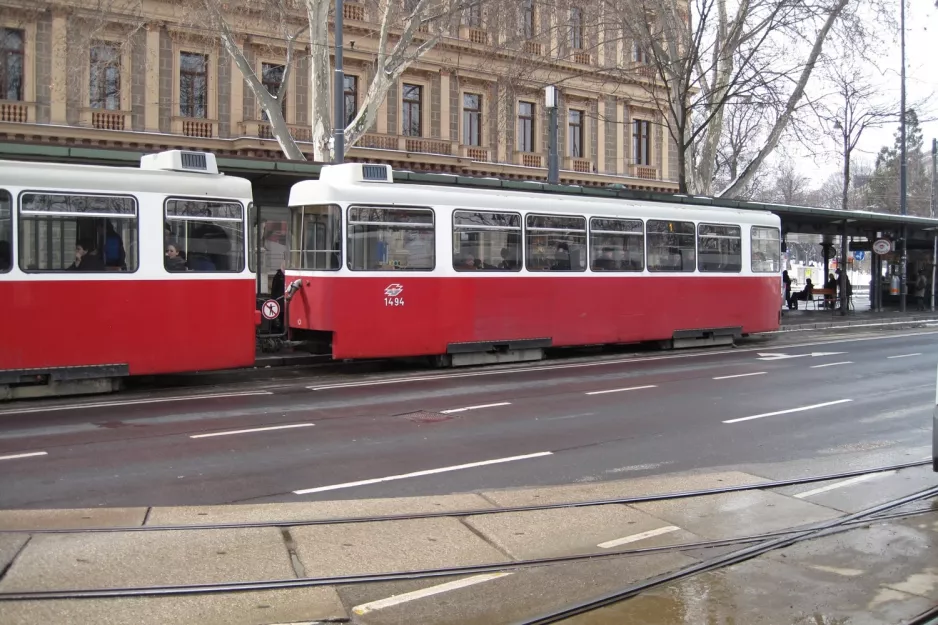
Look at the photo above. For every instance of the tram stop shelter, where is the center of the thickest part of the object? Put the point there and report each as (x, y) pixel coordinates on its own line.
(912, 241)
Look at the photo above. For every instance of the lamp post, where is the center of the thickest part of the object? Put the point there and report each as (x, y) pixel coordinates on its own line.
(338, 152)
(903, 208)
(553, 165)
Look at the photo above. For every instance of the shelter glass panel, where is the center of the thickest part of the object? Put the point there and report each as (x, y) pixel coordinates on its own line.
(671, 245)
(486, 241)
(316, 238)
(720, 248)
(766, 250)
(555, 243)
(391, 239)
(617, 245)
(70, 232)
(207, 235)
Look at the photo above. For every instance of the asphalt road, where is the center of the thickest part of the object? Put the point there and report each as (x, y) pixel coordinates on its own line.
(550, 423)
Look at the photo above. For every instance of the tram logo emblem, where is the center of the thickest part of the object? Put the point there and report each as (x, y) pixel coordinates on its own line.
(393, 290)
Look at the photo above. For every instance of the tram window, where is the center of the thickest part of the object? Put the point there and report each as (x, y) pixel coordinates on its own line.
(719, 248)
(671, 245)
(6, 232)
(486, 241)
(555, 243)
(390, 239)
(208, 233)
(617, 244)
(71, 232)
(766, 250)
(316, 238)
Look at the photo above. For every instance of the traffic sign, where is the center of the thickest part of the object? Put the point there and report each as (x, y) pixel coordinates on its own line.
(271, 309)
(882, 246)
(859, 255)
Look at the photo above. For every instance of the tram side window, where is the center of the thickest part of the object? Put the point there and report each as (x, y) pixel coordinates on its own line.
(316, 238)
(72, 232)
(388, 239)
(766, 250)
(617, 244)
(6, 232)
(719, 248)
(486, 241)
(204, 235)
(555, 243)
(671, 245)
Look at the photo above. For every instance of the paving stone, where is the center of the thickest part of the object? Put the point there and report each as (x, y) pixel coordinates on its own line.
(620, 488)
(545, 533)
(76, 518)
(199, 515)
(736, 514)
(876, 490)
(122, 559)
(390, 546)
(10, 545)
(295, 605)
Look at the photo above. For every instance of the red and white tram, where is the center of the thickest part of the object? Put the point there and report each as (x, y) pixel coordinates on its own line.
(86, 286)
(384, 269)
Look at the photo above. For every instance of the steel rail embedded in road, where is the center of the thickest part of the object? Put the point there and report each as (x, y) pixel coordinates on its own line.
(818, 530)
(842, 524)
(482, 511)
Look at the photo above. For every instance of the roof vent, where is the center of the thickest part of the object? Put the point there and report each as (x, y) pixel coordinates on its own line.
(356, 172)
(180, 160)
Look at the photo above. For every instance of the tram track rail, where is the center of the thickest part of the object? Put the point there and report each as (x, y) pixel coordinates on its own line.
(759, 544)
(768, 485)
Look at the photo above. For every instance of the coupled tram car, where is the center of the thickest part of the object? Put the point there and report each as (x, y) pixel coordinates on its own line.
(108, 272)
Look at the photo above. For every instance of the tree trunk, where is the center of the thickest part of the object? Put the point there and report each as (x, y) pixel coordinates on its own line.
(846, 190)
(317, 11)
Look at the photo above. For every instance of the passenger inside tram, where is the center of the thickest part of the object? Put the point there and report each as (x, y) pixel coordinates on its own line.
(175, 258)
(86, 258)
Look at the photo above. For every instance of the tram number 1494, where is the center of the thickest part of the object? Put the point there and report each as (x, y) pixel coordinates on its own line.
(392, 295)
(393, 301)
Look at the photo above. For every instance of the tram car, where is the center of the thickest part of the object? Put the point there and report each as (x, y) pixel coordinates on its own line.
(107, 272)
(383, 269)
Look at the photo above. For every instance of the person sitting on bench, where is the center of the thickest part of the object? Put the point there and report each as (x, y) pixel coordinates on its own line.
(802, 296)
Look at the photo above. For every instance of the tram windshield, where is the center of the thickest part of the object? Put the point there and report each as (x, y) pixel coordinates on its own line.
(316, 238)
(208, 233)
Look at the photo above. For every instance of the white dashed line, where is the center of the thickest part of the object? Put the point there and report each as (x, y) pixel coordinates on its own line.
(621, 390)
(134, 402)
(252, 430)
(790, 410)
(452, 410)
(851, 481)
(457, 467)
(365, 608)
(832, 364)
(29, 455)
(667, 529)
(740, 375)
(904, 356)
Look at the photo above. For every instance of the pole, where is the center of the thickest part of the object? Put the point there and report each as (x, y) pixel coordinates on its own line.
(843, 270)
(553, 165)
(934, 206)
(338, 154)
(903, 208)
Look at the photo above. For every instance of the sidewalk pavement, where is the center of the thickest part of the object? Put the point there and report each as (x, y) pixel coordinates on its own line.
(881, 572)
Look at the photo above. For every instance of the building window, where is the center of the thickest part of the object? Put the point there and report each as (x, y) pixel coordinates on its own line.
(104, 84)
(527, 19)
(11, 64)
(193, 85)
(474, 15)
(272, 78)
(575, 133)
(472, 119)
(525, 126)
(351, 98)
(412, 105)
(576, 28)
(641, 142)
(639, 55)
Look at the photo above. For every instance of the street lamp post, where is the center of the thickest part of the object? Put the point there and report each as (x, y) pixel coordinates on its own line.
(903, 208)
(338, 152)
(553, 163)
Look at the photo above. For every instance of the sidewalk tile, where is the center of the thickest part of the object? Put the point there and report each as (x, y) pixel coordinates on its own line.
(71, 518)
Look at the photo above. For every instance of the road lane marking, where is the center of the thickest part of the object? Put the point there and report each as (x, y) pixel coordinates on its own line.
(790, 410)
(134, 402)
(28, 455)
(602, 363)
(904, 356)
(841, 484)
(667, 529)
(739, 375)
(267, 429)
(365, 608)
(452, 410)
(621, 390)
(832, 364)
(457, 467)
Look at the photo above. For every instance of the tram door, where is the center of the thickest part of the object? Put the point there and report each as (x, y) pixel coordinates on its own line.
(269, 228)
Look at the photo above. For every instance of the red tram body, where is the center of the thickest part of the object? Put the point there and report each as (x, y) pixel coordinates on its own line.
(383, 269)
(119, 311)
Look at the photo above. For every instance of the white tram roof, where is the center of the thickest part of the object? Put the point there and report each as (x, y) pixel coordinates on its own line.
(359, 183)
(164, 173)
